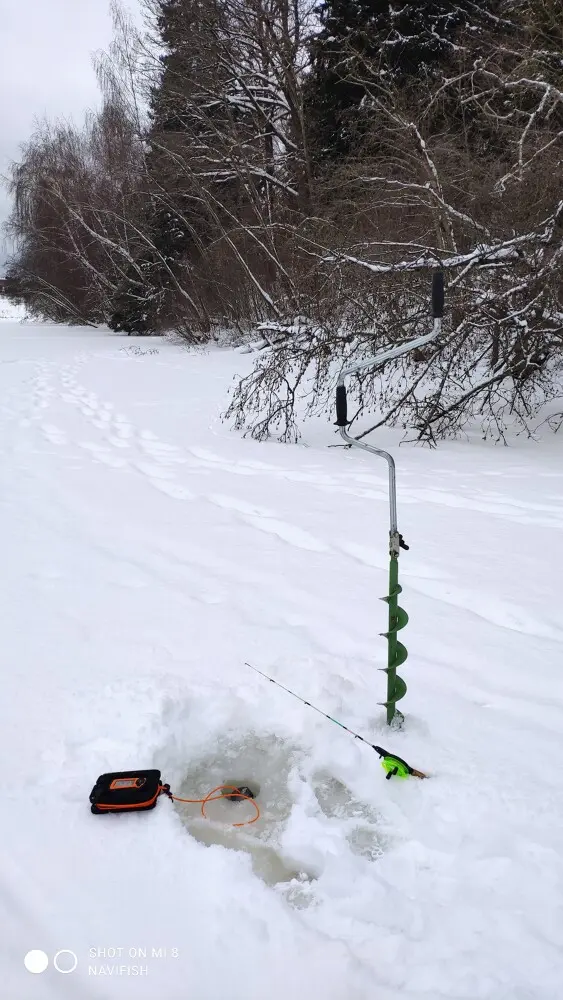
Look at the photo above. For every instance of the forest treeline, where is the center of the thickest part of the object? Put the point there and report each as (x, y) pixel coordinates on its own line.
(293, 172)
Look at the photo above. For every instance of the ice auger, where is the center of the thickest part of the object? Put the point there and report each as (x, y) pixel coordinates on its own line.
(398, 618)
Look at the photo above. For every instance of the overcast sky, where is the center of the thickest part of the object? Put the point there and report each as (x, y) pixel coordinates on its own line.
(46, 49)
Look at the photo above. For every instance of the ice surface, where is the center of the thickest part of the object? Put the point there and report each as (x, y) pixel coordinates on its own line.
(147, 553)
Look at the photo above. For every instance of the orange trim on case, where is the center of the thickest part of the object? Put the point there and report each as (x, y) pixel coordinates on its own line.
(128, 805)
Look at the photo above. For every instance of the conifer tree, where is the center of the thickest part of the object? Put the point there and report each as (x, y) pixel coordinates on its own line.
(183, 126)
(365, 39)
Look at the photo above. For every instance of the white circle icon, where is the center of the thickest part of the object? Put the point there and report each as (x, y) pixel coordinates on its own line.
(71, 961)
(36, 961)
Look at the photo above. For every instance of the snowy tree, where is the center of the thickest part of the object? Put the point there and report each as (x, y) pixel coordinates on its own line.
(227, 162)
(74, 216)
(419, 198)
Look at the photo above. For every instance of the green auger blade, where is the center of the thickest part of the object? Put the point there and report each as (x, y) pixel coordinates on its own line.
(396, 651)
(399, 691)
(400, 616)
(399, 655)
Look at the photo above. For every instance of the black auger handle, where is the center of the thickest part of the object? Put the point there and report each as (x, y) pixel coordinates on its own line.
(437, 295)
(341, 406)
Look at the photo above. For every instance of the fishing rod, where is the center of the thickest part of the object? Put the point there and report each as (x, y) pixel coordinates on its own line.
(395, 766)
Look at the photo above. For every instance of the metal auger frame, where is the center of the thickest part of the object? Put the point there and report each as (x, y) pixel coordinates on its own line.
(398, 618)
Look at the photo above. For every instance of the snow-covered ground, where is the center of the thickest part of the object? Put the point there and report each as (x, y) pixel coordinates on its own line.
(147, 553)
(10, 311)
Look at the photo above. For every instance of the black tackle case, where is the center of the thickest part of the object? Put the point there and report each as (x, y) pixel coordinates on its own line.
(126, 791)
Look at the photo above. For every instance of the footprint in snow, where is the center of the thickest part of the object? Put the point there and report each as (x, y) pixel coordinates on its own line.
(131, 582)
(260, 466)
(103, 455)
(266, 520)
(154, 471)
(317, 479)
(156, 447)
(123, 431)
(497, 612)
(287, 532)
(232, 503)
(210, 460)
(378, 559)
(164, 454)
(171, 489)
(118, 442)
(209, 456)
(53, 434)
(48, 574)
